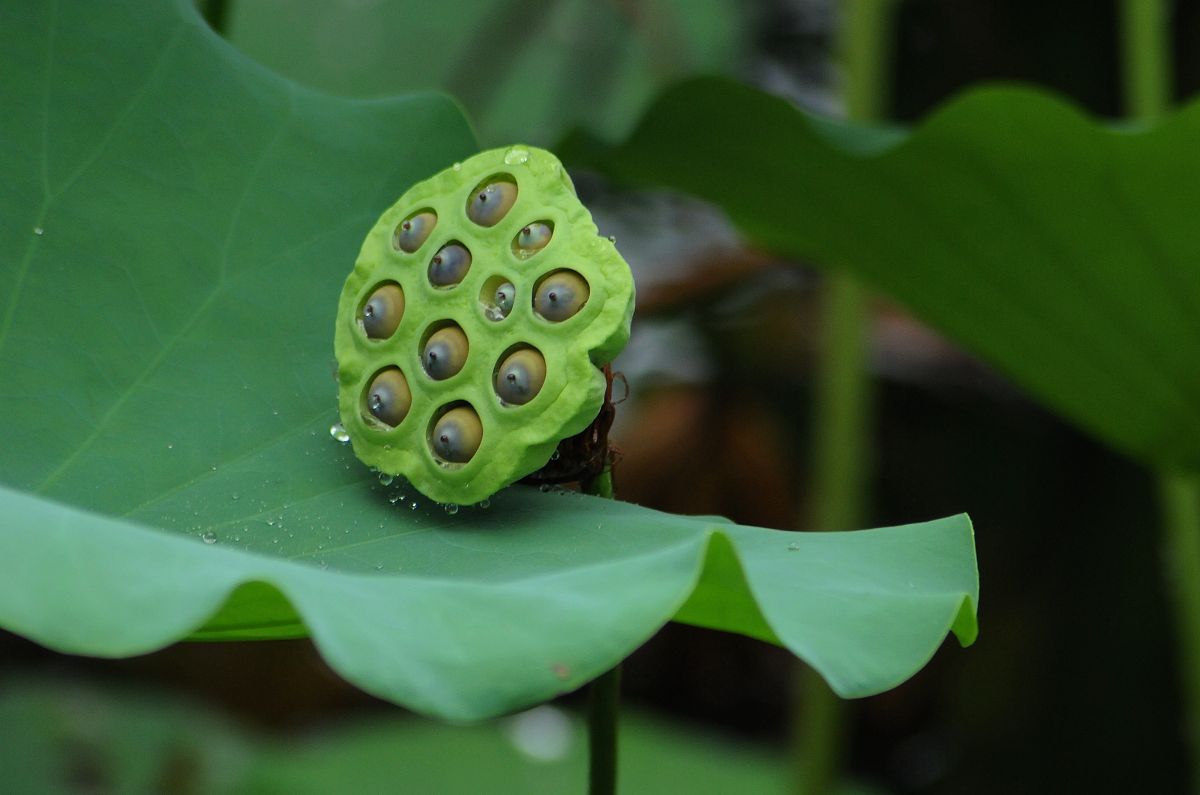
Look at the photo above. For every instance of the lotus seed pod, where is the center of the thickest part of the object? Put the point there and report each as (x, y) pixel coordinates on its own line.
(445, 352)
(382, 312)
(520, 376)
(461, 336)
(388, 398)
(532, 239)
(457, 435)
(560, 296)
(414, 230)
(490, 203)
(450, 265)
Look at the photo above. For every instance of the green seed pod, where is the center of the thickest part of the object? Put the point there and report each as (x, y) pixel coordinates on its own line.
(382, 312)
(450, 265)
(445, 352)
(388, 398)
(560, 296)
(457, 435)
(413, 231)
(491, 324)
(520, 376)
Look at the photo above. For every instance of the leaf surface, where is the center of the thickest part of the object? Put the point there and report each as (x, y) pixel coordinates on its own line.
(1061, 250)
(175, 227)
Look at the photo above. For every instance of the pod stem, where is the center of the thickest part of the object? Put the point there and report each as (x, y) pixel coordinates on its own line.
(604, 696)
(841, 424)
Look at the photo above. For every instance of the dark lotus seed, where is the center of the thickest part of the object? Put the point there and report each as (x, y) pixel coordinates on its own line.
(413, 231)
(533, 238)
(521, 376)
(388, 397)
(560, 295)
(457, 435)
(489, 204)
(382, 312)
(445, 352)
(450, 265)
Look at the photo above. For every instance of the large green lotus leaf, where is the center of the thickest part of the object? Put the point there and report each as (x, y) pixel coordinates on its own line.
(175, 227)
(1062, 250)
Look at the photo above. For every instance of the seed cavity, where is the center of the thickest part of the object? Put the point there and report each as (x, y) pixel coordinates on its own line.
(414, 230)
(445, 352)
(456, 435)
(492, 200)
(449, 265)
(520, 376)
(532, 238)
(497, 297)
(388, 398)
(560, 295)
(381, 313)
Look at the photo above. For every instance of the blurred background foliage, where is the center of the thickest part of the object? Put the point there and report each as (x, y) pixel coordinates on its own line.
(1072, 686)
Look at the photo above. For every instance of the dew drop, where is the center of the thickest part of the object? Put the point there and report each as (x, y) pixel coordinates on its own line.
(485, 504)
(450, 508)
(338, 432)
(37, 230)
(457, 166)
(612, 238)
(209, 538)
(793, 547)
(385, 479)
(235, 497)
(545, 488)
(516, 156)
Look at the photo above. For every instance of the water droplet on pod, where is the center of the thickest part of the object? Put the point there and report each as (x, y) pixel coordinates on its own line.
(450, 508)
(338, 432)
(209, 538)
(516, 156)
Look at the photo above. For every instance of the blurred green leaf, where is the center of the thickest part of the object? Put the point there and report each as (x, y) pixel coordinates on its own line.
(175, 226)
(70, 737)
(1060, 250)
(526, 70)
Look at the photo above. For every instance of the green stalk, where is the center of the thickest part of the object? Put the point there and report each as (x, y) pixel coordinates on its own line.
(603, 702)
(843, 397)
(604, 696)
(1145, 58)
(1180, 499)
(1146, 78)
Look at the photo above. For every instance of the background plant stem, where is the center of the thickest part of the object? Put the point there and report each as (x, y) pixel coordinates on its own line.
(1146, 77)
(842, 417)
(1145, 58)
(604, 696)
